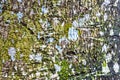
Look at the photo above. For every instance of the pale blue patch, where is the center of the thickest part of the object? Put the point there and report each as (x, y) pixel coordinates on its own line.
(81, 22)
(44, 10)
(57, 67)
(72, 34)
(87, 17)
(0, 8)
(19, 0)
(75, 23)
(38, 58)
(31, 56)
(19, 16)
(3, 1)
(50, 40)
(12, 58)
(12, 52)
(63, 41)
(105, 3)
(59, 48)
(38, 36)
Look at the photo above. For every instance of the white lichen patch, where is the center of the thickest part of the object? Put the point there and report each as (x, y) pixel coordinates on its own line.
(105, 16)
(12, 52)
(84, 62)
(101, 33)
(72, 34)
(116, 67)
(57, 67)
(105, 48)
(38, 58)
(108, 57)
(105, 69)
(111, 32)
